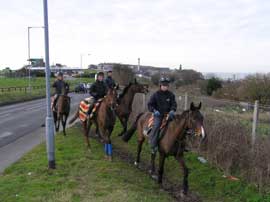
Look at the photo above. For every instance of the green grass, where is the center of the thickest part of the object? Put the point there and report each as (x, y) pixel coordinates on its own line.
(86, 176)
(80, 176)
(204, 179)
(13, 96)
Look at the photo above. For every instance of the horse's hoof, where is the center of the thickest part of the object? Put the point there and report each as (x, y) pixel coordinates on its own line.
(183, 194)
(110, 158)
(155, 177)
(136, 164)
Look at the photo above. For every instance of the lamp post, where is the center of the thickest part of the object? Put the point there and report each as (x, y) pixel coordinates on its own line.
(29, 69)
(49, 119)
(81, 65)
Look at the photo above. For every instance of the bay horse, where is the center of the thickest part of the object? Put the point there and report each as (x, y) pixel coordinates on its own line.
(125, 101)
(61, 112)
(104, 119)
(173, 139)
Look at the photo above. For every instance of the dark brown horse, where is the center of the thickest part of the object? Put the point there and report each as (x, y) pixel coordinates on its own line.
(61, 112)
(104, 120)
(125, 101)
(173, 139)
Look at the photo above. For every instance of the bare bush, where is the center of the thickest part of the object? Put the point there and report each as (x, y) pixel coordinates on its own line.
(228, 145)
(229, 148)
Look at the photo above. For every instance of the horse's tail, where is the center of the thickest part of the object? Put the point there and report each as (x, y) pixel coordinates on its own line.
(126, 137)
(76, 115)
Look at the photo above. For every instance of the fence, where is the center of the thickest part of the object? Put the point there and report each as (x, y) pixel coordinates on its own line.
(238, 135)
(255, 117)
(20, 89)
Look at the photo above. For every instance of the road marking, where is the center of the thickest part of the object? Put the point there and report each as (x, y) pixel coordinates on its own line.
(5, 134)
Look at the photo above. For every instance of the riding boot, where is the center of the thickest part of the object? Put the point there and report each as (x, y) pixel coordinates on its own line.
(153, 137)
(55, 102)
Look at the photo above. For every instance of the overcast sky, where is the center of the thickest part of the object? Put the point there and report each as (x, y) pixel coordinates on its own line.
(208, 35)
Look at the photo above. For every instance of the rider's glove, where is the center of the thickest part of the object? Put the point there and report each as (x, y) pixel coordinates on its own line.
(171, 115)
(156, 113)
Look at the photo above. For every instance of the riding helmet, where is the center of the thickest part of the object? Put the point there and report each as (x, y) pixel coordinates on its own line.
(164, 81)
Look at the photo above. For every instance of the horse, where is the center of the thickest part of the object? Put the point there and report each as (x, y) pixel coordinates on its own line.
(104, 119)
(172, 140)
(125, 101)
(62, 111)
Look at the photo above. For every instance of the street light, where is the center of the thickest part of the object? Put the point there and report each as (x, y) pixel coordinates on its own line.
(29, 70)
(81, 66)
(49, 119)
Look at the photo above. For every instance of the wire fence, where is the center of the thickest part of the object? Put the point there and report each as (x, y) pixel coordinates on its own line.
(238, 135)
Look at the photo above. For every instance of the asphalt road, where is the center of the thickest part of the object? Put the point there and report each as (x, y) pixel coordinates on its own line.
(20, 127)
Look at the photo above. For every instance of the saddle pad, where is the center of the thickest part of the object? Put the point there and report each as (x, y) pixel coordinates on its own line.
(85, 106)
(150, 124)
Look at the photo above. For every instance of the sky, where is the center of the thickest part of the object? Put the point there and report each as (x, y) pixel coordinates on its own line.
(208, 35)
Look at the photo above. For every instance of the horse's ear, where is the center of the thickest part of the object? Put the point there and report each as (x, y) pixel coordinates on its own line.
(192, 107)
(200, 106)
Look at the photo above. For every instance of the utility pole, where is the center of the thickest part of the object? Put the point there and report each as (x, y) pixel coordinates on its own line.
(49, 119)
(29, 57)
(139, 64)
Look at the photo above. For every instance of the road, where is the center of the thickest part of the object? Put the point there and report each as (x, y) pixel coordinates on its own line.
(20, 127)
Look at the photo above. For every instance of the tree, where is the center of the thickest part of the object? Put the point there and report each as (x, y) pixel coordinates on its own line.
(212, 85)
(122, 74)
(155, 78)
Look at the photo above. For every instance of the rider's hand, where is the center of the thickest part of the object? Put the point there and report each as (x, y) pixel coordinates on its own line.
(171, 115)
(156, 113)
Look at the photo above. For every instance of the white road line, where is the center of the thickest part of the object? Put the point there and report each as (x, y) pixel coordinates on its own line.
(5, 134)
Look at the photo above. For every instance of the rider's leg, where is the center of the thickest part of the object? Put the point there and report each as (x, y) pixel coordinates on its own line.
(154, 133)
(56, 96)
(92, 102)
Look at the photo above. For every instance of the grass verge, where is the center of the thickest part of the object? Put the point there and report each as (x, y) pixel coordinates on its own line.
(84, 176)
(80, 176)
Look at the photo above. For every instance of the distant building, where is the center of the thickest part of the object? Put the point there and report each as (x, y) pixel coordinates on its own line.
(142, 70)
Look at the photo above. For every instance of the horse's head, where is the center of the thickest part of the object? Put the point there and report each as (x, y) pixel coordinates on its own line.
(138, 87)
(111, 97)
(195, 121)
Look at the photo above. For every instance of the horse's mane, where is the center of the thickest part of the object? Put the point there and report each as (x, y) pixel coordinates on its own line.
(182, 115)
(125, 91)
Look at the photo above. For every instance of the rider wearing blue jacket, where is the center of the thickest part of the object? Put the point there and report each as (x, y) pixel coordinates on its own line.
(161, 102)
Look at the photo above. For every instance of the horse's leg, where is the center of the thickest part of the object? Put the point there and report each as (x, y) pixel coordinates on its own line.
(64, 121)
(110, 150)
(85, 128)
(139, 149)
(55, 119)
(123, 121)
(185, 171)
(59, 117)
(161, 167)
(153, 167)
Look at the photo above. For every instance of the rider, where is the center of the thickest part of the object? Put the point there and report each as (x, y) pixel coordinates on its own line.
(162, 102)
(60, 86)
(97, 90)
(109, 80)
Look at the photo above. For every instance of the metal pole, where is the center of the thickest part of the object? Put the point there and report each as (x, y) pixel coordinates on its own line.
(139, 61)
(186, 101)
(81, 69)
(29, 73)
(49, 119)
(255, 121)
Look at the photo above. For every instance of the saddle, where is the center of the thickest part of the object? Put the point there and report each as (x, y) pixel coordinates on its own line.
(148, 128)
(85, 106)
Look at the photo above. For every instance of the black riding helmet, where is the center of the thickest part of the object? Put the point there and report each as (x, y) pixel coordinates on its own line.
(164, 81)
(100, 74)
(60, 74)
